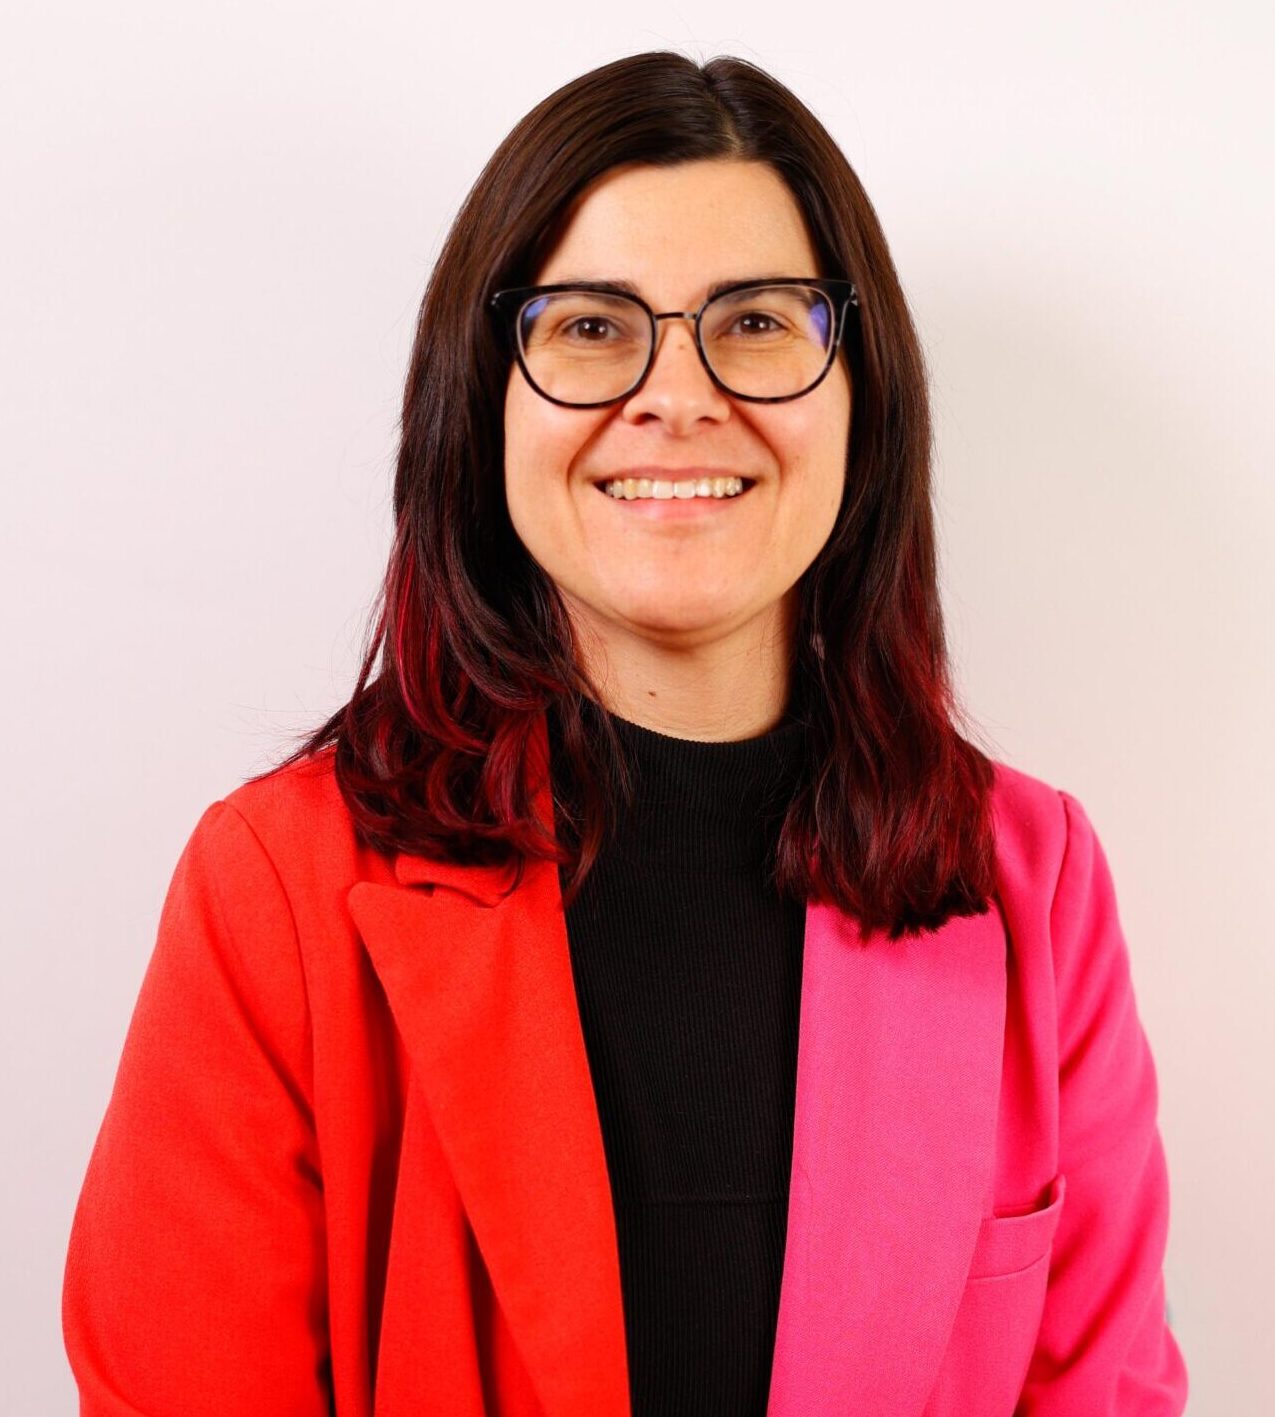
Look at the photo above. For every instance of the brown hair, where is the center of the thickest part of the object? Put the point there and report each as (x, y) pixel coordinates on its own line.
(892, 819)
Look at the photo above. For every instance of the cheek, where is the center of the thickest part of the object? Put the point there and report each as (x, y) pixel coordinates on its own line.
(811, 445)
(830, 433)
(522, 435)
(542, 441)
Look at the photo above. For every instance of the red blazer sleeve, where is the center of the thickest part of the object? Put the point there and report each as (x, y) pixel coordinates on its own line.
(1104, 1347)
(194, 1279)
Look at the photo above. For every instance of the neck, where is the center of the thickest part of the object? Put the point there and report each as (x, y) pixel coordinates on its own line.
(727, 687)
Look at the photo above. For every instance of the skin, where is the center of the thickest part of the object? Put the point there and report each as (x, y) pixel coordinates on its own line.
(684, 624)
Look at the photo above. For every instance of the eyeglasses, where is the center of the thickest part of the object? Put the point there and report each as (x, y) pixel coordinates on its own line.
(587, 344)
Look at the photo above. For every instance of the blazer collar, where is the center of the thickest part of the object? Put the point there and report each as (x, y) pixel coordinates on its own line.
(898, 1074)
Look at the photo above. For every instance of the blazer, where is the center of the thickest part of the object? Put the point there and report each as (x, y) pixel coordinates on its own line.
(352, 1162)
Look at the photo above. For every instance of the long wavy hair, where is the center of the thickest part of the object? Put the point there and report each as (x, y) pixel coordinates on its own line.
(892, 819)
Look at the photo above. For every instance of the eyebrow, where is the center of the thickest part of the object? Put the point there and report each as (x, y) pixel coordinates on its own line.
(627, 287)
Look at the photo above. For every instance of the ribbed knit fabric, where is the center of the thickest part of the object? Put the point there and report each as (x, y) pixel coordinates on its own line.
(687, 969)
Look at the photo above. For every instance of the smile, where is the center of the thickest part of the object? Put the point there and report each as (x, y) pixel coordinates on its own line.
(633, 489)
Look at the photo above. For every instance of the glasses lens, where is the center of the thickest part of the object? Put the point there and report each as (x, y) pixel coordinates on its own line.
(771, 341)
(583, 347)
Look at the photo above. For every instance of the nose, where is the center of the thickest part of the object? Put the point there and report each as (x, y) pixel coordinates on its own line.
(677, 389)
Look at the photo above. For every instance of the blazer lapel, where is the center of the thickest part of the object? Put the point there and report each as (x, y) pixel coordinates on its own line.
(898, 1081)
(479, 979)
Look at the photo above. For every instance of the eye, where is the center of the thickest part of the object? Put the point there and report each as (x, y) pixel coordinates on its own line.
(759, 322)
(578, 322)
(587, 327)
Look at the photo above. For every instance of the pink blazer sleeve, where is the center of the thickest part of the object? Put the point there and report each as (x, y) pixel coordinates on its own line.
(1104, 1348)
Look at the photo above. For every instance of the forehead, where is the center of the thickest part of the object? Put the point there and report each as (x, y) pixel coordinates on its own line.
(674, 231)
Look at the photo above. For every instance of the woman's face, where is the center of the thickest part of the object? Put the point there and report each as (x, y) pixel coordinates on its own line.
(680, 573)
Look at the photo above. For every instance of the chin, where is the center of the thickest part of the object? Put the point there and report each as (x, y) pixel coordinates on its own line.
(657, 618)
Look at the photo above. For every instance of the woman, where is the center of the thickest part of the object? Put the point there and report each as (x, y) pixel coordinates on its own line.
(640, 997)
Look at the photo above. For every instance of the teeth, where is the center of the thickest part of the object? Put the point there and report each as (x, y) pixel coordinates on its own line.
(638, 488)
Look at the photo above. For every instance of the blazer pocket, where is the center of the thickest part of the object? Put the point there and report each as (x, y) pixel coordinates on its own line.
(997, 1321)
(1008, 1244)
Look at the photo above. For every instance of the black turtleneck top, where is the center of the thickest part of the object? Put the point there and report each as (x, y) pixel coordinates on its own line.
(687, 968)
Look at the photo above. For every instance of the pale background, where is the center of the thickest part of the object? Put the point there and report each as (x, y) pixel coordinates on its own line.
(215, 228)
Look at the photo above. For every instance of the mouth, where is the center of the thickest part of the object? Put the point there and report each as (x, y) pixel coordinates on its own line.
(664, 490)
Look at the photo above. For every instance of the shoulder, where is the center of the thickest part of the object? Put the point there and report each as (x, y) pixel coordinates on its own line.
(1030, 824)
(288, 797)
(1053, 879)
(300, 821)
(1037, 825)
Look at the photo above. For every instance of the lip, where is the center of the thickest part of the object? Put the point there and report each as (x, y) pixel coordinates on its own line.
(669, 474)
(673, 509)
